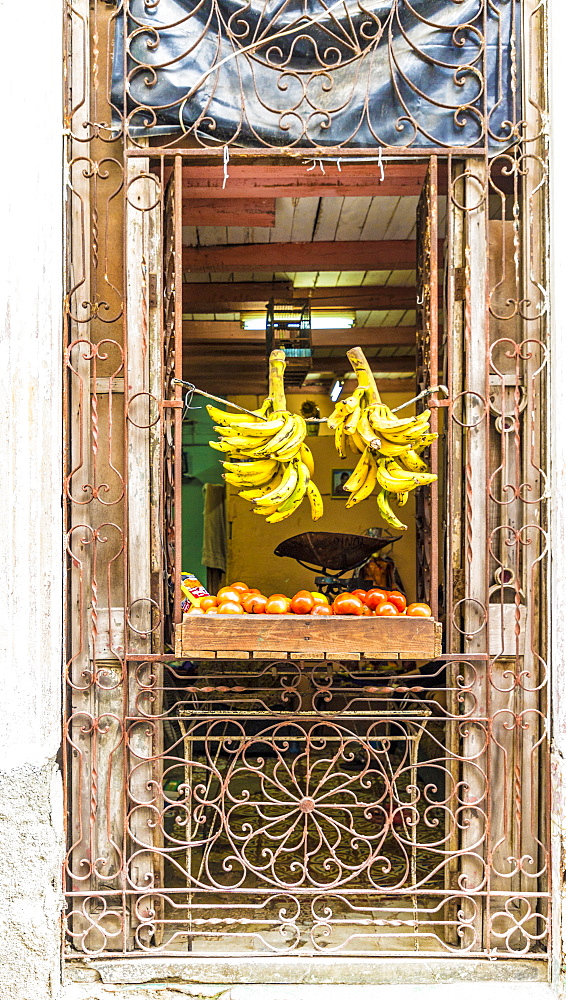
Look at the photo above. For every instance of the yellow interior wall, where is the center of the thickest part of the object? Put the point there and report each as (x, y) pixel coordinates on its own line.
(252, 541)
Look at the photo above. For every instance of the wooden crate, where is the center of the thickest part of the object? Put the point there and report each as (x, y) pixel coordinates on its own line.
(307, 637)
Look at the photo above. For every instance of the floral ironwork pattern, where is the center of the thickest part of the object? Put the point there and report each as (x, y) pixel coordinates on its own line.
(310, 74)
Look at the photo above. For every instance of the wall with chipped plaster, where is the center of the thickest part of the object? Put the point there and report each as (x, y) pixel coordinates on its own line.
(30, 504)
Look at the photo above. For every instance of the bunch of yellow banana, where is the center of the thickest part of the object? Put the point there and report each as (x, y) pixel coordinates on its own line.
(266, 455)
(390, 446)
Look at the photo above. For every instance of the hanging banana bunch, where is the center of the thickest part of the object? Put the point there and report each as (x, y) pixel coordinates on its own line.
(266, 457)
(390, 446)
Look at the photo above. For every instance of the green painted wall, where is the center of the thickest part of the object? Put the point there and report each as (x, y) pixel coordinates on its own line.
(204, 467)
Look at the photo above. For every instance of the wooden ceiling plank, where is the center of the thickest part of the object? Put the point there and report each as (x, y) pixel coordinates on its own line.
(359, 255)
(240, 234)
(284, 212)
(352, 218)
(328, 218)
(304, 218)
(213, 236)
(189, 236)
(350, 278)
(403, 221)
(401, 278)
(306, 279)
(378, 218)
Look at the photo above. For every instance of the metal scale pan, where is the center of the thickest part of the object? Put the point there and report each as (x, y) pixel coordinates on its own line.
(335, 552)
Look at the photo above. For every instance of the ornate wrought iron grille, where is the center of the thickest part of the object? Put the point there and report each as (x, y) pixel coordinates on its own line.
(284, 806)
(392, 73)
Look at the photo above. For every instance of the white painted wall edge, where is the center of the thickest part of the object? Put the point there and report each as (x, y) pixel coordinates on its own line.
(31, 295)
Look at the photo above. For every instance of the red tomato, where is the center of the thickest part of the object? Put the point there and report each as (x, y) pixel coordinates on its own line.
(362, 594)
(239, 586)
(319, 598)
(228, 594)
(277, 604)
(253, 590)
(230, 608)
(302, 603)
(398, 599)
(386, 608)
(375, 597)
(347, 604)
(208, 602)
(254, 603)
(419, 611)
(322, 610)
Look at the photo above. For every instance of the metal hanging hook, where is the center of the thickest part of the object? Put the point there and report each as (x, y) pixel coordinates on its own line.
(192, 389)
(421, 395)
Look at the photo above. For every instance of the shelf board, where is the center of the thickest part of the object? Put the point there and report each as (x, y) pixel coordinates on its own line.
(342, 637)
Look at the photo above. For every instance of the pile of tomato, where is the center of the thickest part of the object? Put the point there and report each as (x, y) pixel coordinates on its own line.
(239, 599)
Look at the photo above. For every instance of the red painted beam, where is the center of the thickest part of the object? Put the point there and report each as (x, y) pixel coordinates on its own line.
(227, 334)
(233, 297)
(359, 255)
(229, 212)
(296, 180)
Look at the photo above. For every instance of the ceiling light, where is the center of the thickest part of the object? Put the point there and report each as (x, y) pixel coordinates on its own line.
(345, 321)
(336, 389)
(319, 321)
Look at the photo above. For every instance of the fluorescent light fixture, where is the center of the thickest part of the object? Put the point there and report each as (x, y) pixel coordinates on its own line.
(344, 321)
(319, 321)
(336, 389)
(253, 322)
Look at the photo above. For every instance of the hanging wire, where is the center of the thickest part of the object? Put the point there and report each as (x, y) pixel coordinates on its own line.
(421, 395)
(225, 161)
(188, 400)
(192, 389)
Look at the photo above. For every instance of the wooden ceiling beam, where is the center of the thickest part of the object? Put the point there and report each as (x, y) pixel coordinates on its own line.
(224, 333)
(232, 297)
(358, 255)
(237, 291)
(296, 180)
(229, 212)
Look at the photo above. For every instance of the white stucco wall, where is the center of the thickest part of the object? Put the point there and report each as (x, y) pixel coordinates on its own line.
(31, 805)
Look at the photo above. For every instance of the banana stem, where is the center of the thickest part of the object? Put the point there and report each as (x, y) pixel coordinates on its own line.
(362, 368)
(277, 365)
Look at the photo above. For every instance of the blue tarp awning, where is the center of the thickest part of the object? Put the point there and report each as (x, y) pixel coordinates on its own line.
(310, 73)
